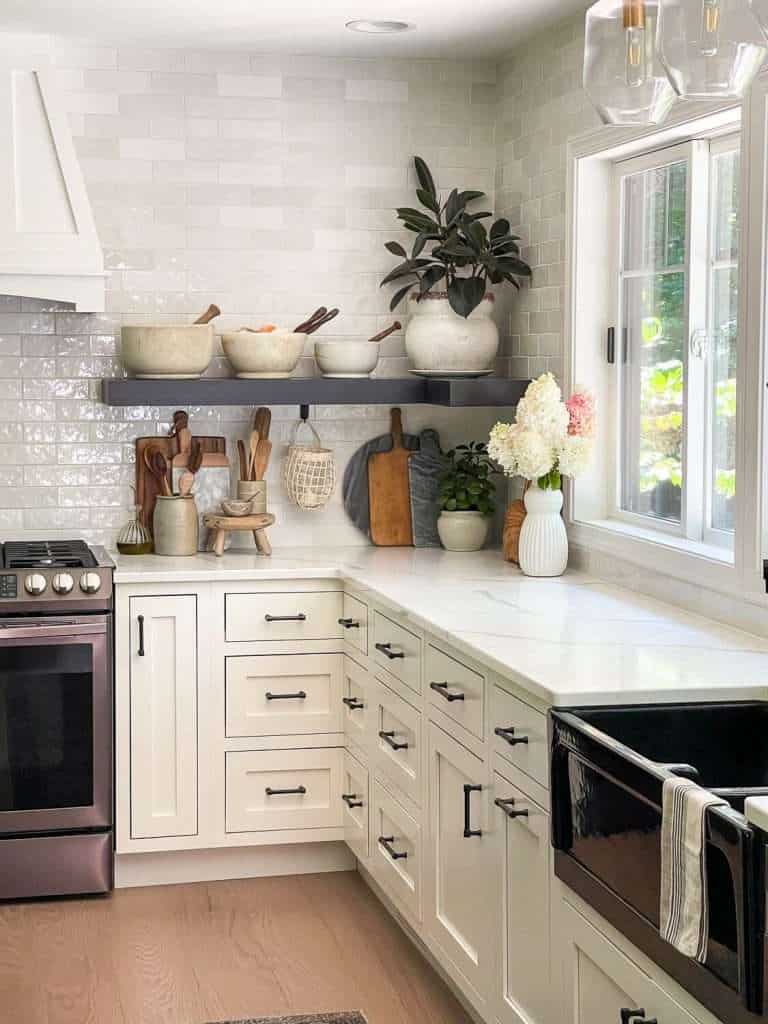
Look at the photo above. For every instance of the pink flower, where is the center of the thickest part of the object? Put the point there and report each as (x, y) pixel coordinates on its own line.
(581, 410)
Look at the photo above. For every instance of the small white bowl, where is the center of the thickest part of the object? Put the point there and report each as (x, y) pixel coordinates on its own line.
(275, 355)
(347, 358)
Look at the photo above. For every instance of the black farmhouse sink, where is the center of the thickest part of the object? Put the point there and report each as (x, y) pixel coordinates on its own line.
(608, 770)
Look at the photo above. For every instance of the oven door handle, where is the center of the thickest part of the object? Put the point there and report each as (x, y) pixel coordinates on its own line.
(20, 630)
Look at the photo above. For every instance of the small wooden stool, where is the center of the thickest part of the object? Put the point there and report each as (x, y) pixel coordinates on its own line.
(221, 525)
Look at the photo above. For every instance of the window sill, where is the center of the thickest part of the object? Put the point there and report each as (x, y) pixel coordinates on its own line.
(711, 552)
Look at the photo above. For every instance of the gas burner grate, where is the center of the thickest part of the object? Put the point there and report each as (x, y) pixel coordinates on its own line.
(54, 554)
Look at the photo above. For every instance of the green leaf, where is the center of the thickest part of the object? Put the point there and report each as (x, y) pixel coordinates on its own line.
(398, 297)
(396, 249)
(453, 207)
(430, 278)
(428, 200)
(477, 235)
(424, 175)
(469, 196)
(465, 294)
(500, 229)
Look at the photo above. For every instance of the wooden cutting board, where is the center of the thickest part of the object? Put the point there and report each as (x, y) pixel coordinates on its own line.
(389, 491)
(147, 487)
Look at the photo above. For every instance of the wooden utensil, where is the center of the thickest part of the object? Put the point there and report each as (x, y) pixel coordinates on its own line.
(305, 323)
(389, 491)
(318, 319)
(261, 460)
(159, 468)
(243, 459)
(148, 486)
(188, 476)
(396, 326)
(210, 314)
(262, 421)
(253, 445)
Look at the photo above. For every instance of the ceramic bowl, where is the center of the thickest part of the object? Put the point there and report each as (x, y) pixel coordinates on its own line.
(236, 508)
(255, 356)
(347, 358)
(180, 352)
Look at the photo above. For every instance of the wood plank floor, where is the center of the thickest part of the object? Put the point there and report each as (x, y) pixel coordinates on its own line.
(189, 954)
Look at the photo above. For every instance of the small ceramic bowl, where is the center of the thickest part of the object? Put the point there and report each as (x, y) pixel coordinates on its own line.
(254, 356)
(236, 508)
(347, 358)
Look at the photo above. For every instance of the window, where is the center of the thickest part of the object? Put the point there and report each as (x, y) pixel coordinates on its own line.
(674, 350)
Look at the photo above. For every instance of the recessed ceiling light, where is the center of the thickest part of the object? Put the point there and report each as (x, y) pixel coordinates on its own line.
(378, 27)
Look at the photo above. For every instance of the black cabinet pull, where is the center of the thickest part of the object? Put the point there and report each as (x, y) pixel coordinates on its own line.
(301, 617)
(387, 649)
(351, 800)
(296, 791)
(386, 842)
(140, 651)
(508, 806)
(469, 832)
(442, 689)
(626, 1016)
(353, 703)
(508, 734)
(299, 695)
(349, 623)
(389, 738)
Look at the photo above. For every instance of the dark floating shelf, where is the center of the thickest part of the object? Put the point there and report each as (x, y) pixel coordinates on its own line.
(479, 392)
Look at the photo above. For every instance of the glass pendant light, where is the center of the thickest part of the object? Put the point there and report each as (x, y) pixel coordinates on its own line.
(622, 75)
(711, 49)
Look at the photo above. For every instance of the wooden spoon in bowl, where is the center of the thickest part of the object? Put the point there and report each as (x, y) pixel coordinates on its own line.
(396, 326)
(210, 314)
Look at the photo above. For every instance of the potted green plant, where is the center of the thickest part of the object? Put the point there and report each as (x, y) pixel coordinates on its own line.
(467, 498)
(450, 330)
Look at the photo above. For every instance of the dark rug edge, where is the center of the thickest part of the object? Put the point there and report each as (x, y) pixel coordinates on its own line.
(340, 1017)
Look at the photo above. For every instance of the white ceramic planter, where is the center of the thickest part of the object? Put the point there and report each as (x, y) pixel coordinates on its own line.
(543, 540)
(442, 344)
(462, 531)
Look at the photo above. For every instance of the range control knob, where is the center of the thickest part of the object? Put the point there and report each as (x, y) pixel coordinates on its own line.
(35, 584)
(90, 582)
(62, 583)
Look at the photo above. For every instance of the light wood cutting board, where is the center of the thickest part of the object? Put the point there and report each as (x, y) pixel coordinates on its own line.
(389, 491)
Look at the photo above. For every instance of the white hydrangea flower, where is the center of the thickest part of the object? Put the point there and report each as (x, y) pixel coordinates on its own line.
(573, 455)
(499, 449)
(532, 454)
(542, 410)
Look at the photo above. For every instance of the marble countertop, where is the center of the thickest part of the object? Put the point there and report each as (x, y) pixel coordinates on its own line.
(570, 641)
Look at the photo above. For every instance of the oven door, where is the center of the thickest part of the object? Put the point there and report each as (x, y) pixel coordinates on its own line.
(55, 724)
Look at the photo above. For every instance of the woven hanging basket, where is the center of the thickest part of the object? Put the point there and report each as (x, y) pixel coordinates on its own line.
(309, 472)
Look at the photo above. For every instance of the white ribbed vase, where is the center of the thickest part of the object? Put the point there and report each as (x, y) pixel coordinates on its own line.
(543, 540)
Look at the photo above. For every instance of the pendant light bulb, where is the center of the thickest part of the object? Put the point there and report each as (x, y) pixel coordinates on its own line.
(710, 27)
(634, 34)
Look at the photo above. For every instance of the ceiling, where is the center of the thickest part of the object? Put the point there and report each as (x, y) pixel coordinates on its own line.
(443, 28)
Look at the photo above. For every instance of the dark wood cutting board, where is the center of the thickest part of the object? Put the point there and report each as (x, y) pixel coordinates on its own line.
(389, 491)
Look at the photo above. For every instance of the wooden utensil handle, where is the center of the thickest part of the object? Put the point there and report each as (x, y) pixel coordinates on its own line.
(396, 326)
(396, 429)
(210, 314)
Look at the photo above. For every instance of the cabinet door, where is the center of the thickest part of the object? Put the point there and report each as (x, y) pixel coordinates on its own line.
(522, 869)
(457, 905)
(356, 700)
(355, 801)
(163, 716)
(600, 983)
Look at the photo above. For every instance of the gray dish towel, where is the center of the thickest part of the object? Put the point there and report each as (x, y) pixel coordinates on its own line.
(684, 916)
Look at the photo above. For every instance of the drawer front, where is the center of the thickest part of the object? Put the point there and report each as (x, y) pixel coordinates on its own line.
(354, 623)
(356, 703)
(522, 735)
(396, 852)
(283, 789)
(396, 735)
(458, 691)
(355, 806)
(397, 650)
(304, 616)
(296, 694)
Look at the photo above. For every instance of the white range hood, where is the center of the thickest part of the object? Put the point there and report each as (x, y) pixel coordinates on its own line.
(48, 243)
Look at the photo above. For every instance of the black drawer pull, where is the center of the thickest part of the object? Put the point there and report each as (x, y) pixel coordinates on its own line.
(386, 842)
(442, 689)
(470, 832)
(353, 703)
(508, 806)
(301, 617)
(351, 800)
(508, 734)
(387, 649)
(389, 737)
(349, 623)
(140, 651)
(296, 791)
(627, 1015)
(299, 695)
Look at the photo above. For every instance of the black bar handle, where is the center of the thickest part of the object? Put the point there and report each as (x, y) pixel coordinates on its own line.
(442, 689)
(389, 737)
(626, 1016)
(508, 734)
(351, 800)
(508, 806)
(469, 832)
(296, 791)
(353, 703)
(349, 623)
(299, 695)
(387, 649)
(386, 842)
(140, 651)
(301, 617)
(611, 348)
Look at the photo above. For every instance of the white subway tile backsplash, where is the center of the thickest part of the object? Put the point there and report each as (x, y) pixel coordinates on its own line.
(261, 86)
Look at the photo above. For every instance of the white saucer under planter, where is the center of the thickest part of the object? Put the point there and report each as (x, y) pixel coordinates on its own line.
(462, 531)
(439, 342)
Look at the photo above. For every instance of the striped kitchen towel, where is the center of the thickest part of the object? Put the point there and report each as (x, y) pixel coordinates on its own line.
(684, 917)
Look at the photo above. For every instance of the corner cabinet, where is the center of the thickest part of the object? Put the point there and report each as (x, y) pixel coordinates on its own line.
(163, 716)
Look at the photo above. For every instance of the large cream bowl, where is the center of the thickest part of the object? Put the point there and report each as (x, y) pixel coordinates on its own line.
(180, 352)
(270, 355)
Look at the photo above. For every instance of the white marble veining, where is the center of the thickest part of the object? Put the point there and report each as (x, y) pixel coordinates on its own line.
(568, 641)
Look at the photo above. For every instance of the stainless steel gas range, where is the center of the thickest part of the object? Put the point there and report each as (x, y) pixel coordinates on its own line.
(56, 719)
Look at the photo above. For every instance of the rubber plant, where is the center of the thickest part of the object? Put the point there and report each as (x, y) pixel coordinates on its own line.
(466, 486)
(452, 245)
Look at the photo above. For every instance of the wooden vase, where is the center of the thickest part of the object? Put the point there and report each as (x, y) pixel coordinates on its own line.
(513, 522)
